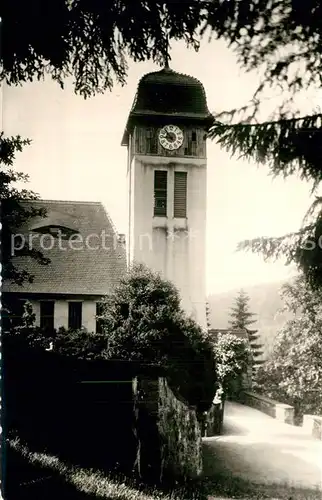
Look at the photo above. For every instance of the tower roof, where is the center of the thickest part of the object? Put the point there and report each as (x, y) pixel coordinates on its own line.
(166, 93)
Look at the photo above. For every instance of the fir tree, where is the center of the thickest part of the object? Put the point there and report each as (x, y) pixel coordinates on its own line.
(256, 349)
(240, 315)
(280, 41)
(241, 319)
(208, 315)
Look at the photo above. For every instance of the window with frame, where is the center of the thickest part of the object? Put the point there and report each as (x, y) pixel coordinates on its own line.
(151, 141)
(160, 193)
(180, 195)
(99, 312)
(191, 147)
(75, 315)
(47, 314)
(194, 143)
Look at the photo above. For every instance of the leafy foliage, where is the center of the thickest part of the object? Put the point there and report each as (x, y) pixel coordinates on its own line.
(232, 356)
(80, 344)
(293, 373)
(142, 323)
(145, 323)
(13, 214)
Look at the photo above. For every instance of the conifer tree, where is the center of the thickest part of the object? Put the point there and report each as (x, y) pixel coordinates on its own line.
(241, 319)
(256, 349)
(208, 315)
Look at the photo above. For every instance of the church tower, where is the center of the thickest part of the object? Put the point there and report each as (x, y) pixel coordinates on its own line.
(167, 182)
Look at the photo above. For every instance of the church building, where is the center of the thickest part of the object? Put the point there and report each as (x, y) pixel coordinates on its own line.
(165, 135)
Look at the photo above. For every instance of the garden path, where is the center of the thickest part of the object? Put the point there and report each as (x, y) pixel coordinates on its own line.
(259, 448)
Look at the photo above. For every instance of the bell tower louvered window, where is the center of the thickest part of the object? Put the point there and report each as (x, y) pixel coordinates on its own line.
(160, 193)
(180, 195)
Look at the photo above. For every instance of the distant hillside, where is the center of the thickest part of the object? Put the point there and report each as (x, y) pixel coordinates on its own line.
(265, 301)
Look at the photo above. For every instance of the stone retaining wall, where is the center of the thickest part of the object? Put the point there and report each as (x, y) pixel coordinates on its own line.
(180, 435)
(275, 409)
(313, 425)
(168, 433)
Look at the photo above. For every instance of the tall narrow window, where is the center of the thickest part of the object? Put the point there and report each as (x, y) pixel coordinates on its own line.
(191, 147)
(75, 315)
(151, 141)
(193, 143)
(160, 193)
(180, 195)
(99, 311)
(47, 314)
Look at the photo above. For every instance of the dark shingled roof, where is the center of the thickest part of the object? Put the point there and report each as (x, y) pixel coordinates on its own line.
(168, 93)
(82, 271)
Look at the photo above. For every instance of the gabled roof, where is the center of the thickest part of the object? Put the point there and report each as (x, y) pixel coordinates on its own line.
(88, 258)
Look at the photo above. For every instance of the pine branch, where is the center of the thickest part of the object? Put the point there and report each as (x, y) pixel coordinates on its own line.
(286, 145)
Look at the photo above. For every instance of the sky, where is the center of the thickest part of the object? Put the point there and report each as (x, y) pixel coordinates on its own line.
(76, 154)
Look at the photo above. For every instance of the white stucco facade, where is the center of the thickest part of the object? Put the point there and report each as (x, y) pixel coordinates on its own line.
(61, 313)
(174, 247)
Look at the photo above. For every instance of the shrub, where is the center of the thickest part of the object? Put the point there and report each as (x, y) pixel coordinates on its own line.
(144, 323)
(80, 344)
(293, 373)
(232, 356)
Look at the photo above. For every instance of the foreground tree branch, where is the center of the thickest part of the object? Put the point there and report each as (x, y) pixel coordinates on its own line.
(92, 42)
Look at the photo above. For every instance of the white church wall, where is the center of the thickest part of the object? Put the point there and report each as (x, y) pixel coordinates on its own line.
(61, 313)
(173, 247)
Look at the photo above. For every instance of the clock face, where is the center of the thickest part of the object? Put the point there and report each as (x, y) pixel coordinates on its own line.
(171, 137)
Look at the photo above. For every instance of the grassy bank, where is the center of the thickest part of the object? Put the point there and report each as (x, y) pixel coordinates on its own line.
(231, 487)
(39, 476)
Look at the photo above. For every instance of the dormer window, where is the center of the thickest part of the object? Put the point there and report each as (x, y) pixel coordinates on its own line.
(56, 224)
(56, 231)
